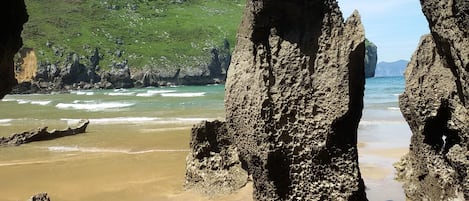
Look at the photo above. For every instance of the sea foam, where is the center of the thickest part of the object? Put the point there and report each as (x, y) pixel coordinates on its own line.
(183, 95)
(41, 102)
(121, 94)
(94, 106)
(5, 122)
(150, 93)
(137, 120)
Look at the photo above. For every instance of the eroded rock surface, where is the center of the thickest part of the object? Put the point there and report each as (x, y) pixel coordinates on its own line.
(294, 99)
(435, 104)
(12, 17)
(213, 166)
(41, 134)
(40, 197)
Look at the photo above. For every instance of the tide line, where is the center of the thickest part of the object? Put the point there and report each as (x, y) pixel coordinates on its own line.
(103, 150)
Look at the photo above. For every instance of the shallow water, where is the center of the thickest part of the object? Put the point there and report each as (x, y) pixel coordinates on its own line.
(137, 141)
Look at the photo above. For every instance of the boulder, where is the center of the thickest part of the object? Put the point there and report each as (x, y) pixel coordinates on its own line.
(40, 197)
(435, 105)
(294, 98)
(213, 166)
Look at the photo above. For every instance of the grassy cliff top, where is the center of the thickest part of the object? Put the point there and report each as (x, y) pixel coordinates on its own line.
(148, 33)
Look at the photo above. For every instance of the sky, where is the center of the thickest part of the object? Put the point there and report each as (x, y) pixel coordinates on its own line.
(395, 26)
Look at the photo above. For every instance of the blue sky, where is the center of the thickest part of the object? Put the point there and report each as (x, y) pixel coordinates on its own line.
(395, 26)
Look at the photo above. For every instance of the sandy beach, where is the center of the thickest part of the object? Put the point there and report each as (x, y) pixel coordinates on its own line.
(136, 146)
(157, 173)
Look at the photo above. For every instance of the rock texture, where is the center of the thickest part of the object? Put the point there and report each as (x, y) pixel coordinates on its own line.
(371, 58)
(294, 97)
(40, 197)
(12, 17)
(435, 104)
(41, 134)
(213, 166)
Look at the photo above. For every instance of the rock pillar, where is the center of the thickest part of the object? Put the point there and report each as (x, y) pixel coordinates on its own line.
(436, 106)
(294, 98)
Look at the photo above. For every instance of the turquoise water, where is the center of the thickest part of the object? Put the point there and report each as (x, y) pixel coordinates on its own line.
(169, 104)
(163, 103)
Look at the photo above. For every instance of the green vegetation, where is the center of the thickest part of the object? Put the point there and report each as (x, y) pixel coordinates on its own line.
(368, 43)
(148, 33)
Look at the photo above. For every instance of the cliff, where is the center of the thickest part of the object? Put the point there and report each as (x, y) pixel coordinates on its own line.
(435, 104)
(12, 17)
(158, 36)
(371, 58)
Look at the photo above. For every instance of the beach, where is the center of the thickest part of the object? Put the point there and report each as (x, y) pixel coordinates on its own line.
(138, 139)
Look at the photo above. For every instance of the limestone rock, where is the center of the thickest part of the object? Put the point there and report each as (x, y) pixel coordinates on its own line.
(435, 104)
(12, 17)
(294, 97)
(213, 166)
(449, 20)
(436, 117)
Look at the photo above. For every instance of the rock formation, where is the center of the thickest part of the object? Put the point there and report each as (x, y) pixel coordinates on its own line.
(371, 58)
(26, 67)
(12, 17)
(213, 166)
(294, 97)
(40, 197)
(41, 134)
(435, 104)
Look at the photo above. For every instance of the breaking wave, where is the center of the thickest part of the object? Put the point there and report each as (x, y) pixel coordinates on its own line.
(92, 106)
(197, 94)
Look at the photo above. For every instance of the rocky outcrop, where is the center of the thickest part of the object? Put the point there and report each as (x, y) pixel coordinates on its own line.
(26, 67)
(371, 58)
(40, 197)
(73, 74)
(12, 17)
(294, 97)
(213, 166)
(76, 72)
(41, 134)
(435, 104)
(119, 78)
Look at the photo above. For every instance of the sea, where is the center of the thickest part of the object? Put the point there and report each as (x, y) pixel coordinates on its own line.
(137, 141)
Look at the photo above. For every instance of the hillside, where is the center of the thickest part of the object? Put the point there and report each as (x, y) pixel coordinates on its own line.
(145, 33)
(83, 44)
(391, 69)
